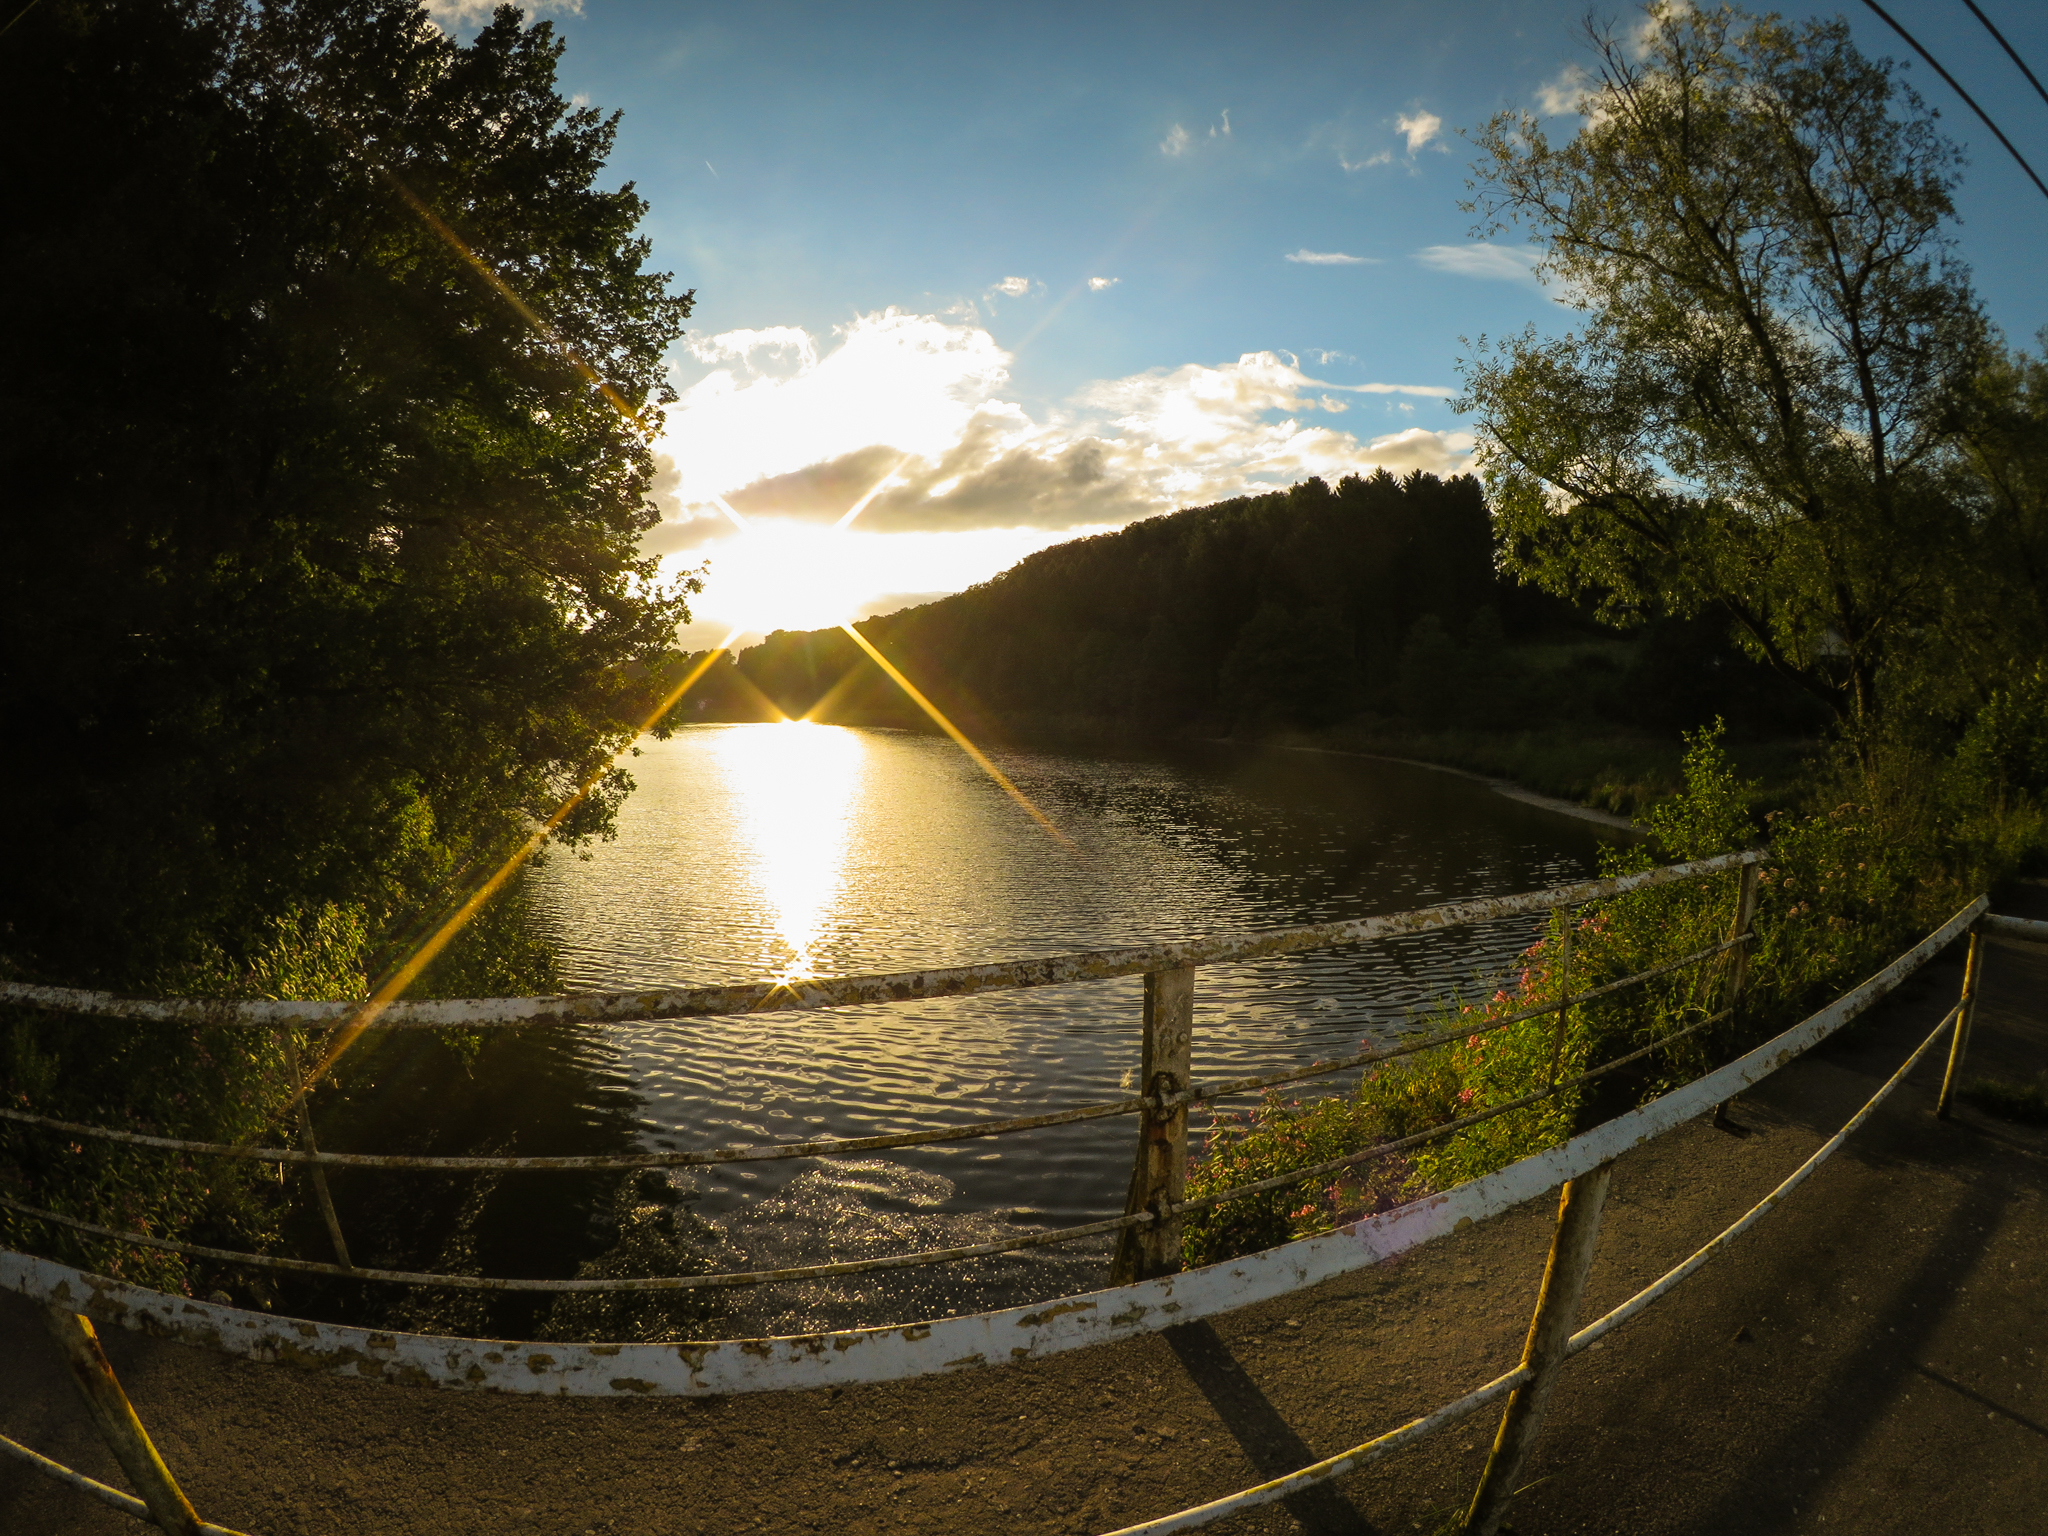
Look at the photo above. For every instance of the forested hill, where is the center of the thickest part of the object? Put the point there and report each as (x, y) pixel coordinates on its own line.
(1299, 608)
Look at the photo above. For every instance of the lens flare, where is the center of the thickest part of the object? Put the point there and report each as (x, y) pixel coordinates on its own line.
(798, 823)
(393, 986)
(959, 737)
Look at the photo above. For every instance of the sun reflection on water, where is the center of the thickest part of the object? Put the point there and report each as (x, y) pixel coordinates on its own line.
(794, 786)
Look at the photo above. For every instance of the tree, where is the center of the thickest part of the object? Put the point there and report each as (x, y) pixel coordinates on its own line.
(328, 387)
(1759, 417)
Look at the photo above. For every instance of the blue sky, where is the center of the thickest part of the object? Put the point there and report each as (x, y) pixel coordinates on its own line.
(892, 213)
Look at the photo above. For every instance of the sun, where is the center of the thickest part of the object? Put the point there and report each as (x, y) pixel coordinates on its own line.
(783, 574)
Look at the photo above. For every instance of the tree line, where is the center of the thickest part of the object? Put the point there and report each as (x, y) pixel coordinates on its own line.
(1379, 597)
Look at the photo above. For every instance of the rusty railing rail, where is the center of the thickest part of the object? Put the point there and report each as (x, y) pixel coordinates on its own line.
(839, 992)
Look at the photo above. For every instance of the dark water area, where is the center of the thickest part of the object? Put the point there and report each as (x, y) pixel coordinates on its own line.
(788, 850)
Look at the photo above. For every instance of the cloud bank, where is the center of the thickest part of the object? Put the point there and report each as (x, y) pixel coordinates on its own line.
(1327, 258)
(1505, 263)
(916, 399)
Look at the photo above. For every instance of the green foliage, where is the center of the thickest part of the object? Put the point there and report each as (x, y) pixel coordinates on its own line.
(1280, 610)
(1432, 673)
(1496, 1067)
(327, 580)
(1374, 606)
(2004, 752)
(1292, 666)
(1284, 1134)
(203, 1084)
(1841, 893)
(1761, 418)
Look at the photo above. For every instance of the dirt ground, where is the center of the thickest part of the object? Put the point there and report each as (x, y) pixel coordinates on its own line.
(1871, 1358)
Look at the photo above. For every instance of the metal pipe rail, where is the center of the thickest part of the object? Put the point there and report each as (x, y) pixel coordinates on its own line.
(127, 1503)
(1135, 1104)
(1578, 1342)
(1149, 1231)
(737, 1278)
(1031, 1331)
(845, 991)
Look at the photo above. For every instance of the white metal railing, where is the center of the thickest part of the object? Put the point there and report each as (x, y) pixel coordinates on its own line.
(1151, 1302)
(1149, 1228)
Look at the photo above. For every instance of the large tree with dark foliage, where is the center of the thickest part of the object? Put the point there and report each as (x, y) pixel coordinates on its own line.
(1764, 415)
(328, 380)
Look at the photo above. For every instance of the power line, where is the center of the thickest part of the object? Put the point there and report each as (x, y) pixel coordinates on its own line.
(1968, 100)
(2009, 51)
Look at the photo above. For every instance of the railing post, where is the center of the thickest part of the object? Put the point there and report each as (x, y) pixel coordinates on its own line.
(1557, 1306)
(1738, 958)
(1160, 1177)
(114, 1416)
(1564, 993)
(1966, 1010)
(1745, 919)
(319, 1173)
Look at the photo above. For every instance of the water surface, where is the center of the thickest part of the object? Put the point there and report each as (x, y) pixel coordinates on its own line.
(788, 850)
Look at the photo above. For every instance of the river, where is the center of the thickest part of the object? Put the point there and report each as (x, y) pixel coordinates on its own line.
(753, 851)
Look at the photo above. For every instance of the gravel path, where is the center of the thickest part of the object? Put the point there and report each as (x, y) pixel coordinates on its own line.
(1870, 1358)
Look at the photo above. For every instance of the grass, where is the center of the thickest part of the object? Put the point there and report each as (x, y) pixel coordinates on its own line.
(2026, 1103)
(1613, 770)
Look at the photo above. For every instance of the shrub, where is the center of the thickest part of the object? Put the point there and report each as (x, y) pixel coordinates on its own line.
(1841, 892)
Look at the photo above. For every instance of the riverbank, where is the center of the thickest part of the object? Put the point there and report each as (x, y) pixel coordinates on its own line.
(1504, 787)
(1872, 1352)
(1570, 768)
(1622, 773)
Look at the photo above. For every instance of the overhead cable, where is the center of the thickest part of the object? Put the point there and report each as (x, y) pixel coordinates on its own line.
(2010, 51)
(1968, 100)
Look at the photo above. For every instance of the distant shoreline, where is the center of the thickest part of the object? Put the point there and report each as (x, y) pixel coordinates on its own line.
(1506, 787)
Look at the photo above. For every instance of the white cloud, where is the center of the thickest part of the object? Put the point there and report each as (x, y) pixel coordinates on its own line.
(1566, 95)
(1383, 157)
(1508, 263)
(908, 381)
(1427, 391)
(915, 399)
(1012, 287)
(1329, 258)
(912, 403)
(740, 346)
(474, 13)
(1179, 141)
(1422, 128)
(1099, 284)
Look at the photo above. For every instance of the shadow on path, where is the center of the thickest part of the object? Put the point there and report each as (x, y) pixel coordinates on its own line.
(1268, 1440)
(1845, 1405)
